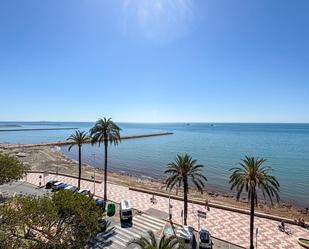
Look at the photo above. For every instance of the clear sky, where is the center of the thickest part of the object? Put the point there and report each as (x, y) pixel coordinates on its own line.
(155, 60)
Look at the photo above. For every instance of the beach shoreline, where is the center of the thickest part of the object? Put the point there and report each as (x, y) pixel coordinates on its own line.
(51, 159)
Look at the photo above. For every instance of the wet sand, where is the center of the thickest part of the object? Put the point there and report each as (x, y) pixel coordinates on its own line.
(50, 158)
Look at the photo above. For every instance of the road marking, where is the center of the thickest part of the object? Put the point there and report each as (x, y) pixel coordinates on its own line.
(140, 226)
(113, 246)
(129, 231)
(161, 224)
(138, 230)
(118, 242)
(128, 236)
(154, 218)
(146, 227)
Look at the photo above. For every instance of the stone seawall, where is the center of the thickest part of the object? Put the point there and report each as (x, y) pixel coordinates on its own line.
(59, 143)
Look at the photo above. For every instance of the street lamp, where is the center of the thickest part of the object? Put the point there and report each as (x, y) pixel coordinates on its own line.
(181, 214)
(93, 177)
(169, 206)
(256, 237)
(93, 173)
(57, 169)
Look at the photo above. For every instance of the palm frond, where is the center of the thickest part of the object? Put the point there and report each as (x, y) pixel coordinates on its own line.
(252, 176)
(145, 242)
(184, 167)
(105, 131)
(78, 138)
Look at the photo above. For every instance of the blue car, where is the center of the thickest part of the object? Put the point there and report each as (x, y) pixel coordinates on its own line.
(99, 202)
(205, 241)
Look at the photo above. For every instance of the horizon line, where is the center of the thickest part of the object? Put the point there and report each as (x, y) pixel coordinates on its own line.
(159, 122)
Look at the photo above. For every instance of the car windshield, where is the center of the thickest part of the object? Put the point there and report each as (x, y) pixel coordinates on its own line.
(127, 213)
(204, 236)
(188, 230)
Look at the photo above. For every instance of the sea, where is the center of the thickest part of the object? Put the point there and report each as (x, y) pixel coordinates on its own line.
(217, 146)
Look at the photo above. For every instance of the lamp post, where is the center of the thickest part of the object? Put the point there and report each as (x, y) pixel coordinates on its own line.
(93, 173)
(169, 206)
(57, 172)
(181, 214)
(256, 237)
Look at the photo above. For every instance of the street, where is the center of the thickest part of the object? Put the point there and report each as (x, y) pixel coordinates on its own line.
(118, 235)
(22, 188)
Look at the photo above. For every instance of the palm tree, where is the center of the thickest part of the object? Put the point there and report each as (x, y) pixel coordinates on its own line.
(251, 176)
(183, 170)
(150, 242)
(78, 138)
(105, 131)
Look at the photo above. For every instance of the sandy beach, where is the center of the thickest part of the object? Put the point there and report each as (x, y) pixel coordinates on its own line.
(50, 159)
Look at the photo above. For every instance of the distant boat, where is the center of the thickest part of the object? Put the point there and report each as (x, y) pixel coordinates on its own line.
(212, 125)
(188, 123)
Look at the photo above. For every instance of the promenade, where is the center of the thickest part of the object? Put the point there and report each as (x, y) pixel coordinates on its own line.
(223, 224)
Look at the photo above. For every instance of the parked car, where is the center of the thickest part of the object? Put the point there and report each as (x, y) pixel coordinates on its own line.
(125, 211)
(71, 188)
(59, 186)
(204, 239)
(84, 192)
(187, 233)
(50, 184)
(99, 202)
(55, 185)
(103, 225)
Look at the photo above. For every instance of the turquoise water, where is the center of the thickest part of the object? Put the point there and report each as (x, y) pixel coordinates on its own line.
(217, 146)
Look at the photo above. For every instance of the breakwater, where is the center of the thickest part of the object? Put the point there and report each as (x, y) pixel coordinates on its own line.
(37, 129)
(59, 143)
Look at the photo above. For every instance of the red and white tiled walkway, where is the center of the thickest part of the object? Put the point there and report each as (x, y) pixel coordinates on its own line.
(226, 225)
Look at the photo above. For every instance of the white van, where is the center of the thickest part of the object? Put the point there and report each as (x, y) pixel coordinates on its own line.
(126, 211)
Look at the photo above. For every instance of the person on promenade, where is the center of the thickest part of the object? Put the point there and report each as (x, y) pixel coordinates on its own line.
(153, 199)
(300, 222)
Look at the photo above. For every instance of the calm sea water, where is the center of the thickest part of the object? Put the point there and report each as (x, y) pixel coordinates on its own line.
(217, 146)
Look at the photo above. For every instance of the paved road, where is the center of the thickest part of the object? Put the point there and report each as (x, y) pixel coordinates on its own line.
(23, 188)
(224, 224)
(118, 235)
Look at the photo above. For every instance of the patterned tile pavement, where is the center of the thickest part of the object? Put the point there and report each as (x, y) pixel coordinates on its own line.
(226, 225)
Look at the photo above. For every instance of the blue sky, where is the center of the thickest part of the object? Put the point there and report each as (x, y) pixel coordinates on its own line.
(155, 61)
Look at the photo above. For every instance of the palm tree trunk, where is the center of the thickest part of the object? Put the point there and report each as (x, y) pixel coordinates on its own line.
(79, 164)
(185, 198)
(105, 172)
(252, 222)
